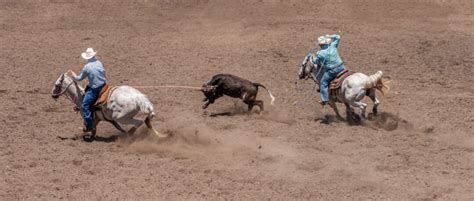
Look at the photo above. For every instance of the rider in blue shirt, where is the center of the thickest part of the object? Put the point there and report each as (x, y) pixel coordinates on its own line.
(95, 73)
(328, 58)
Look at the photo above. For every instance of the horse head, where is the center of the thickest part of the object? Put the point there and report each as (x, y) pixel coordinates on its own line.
(58, 87)
(305, 70)
(61, 85)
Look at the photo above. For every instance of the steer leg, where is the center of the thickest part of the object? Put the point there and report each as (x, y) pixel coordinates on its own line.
(250, 104)
(209, 101)
(259, 103)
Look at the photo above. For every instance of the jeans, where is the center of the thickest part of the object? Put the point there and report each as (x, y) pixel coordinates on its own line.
(329, 75)
(91, 96)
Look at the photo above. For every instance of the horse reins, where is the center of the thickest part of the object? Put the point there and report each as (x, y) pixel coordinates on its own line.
(65, 89)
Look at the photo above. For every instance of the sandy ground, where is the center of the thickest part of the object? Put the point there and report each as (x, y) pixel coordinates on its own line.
(421, 146)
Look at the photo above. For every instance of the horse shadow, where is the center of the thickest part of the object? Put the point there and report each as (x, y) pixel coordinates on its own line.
(355, 120)
(385, 120)
(329, 119)
(105, 139)
(217, 114)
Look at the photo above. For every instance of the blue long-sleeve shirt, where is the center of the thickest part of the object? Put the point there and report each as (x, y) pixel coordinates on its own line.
(328, 57)
(95, 73)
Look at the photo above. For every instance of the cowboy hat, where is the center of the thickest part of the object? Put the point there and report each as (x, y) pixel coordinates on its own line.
(88, 54)
(322, 40)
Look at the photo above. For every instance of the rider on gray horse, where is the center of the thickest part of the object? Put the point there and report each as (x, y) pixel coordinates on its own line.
(328, 58)
(95, 73)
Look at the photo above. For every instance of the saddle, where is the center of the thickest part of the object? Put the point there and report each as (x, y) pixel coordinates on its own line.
(337, 82)
(103, 96)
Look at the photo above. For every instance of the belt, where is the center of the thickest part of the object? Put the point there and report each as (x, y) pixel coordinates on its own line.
(97, 87)
(336, 66)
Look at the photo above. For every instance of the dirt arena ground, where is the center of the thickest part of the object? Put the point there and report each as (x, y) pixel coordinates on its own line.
(421, 147)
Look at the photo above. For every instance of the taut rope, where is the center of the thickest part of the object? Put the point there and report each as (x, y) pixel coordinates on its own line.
(168, 86)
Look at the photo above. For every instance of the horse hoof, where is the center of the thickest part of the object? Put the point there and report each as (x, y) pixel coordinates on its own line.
(88, 138)
(375, 112)
(357, 119)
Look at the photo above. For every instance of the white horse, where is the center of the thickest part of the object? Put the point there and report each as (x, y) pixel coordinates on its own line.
(123, 104)
(352, 90)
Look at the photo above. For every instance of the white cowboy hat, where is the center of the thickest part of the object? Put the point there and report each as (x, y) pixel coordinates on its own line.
(322, 40)
(88, 54)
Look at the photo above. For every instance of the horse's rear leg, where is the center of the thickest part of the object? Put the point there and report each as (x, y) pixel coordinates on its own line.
(333, 105)
(136, 124)
(149, 126)
(352, 117)
(373, 96)
(117, 126)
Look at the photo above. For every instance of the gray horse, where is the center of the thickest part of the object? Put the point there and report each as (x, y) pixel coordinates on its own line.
(352, 90)
(123, 105)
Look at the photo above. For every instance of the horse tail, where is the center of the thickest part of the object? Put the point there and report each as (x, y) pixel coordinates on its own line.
(378, 82)
(268, 91)
(145, 105)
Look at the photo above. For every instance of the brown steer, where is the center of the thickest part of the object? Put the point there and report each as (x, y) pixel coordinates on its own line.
(233, 86)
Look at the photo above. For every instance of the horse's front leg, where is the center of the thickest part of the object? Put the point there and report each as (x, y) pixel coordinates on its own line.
(351, 116)
(362, 106)
(206, 105)
(95, 123)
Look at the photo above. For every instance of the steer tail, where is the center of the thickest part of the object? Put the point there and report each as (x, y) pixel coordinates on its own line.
(378, 82)
(269, 92)
(145, 105)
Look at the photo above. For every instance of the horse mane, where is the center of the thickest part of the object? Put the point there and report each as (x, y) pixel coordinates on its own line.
(78, 85)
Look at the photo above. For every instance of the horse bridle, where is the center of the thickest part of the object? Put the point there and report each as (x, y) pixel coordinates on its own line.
(65, 89)
(309, 74)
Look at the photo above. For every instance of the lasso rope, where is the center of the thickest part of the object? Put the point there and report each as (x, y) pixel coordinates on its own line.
(167, 86)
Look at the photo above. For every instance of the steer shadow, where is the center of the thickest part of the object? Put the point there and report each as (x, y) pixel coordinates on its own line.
(237, 109)
(213, 114)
